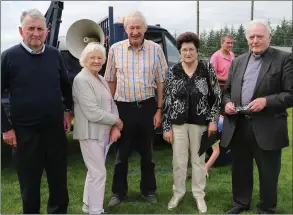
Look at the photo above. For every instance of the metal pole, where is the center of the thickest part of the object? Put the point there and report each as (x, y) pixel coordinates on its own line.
(197, 29)
(252, 10)
(111, 26)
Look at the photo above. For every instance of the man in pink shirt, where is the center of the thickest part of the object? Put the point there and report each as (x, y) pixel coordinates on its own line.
(222, 59)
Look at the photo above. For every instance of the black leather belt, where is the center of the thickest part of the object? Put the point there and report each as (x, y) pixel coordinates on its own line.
(138, 104)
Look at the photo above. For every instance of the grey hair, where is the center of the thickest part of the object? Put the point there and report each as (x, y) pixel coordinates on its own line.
(258, 22)
(35, 13)
(227, 36)
(92, 46)
(136, 14)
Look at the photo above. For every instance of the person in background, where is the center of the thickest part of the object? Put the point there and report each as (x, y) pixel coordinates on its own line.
(187, 114)
(215, 149)
(36, 79)
(222, 59)
(257, 94)
(135, 72)
(96, 123)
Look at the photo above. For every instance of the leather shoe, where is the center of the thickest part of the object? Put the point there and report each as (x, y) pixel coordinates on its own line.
(173, 202)
(151, 199)
(114, 201)
(236, 210)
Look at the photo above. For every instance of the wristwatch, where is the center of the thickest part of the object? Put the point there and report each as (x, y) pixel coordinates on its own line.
(159, 108)
(68, 111)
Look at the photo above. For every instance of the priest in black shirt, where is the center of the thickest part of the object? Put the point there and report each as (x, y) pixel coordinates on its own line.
(40, 101)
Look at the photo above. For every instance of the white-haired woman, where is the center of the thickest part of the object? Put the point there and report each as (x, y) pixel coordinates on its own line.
(96, 123)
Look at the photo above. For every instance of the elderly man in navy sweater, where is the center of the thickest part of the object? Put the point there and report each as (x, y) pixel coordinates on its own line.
(36, 79)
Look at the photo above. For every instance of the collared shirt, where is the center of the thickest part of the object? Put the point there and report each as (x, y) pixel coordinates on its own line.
(222, 63)
(250, 78)
(137, 73)
(32, 51)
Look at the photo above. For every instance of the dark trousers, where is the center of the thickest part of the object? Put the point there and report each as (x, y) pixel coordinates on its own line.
(244, 148)
(40, 148)
(138, 131)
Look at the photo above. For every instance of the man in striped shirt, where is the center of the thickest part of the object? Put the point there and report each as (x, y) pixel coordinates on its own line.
(135, 71)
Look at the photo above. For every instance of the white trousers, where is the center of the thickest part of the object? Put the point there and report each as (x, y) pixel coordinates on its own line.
(188, 136)
(93, 152)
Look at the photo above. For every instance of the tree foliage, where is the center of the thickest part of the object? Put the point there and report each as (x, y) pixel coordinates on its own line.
(282, 35)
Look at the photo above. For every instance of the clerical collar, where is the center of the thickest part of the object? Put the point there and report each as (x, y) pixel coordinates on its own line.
(257, 56)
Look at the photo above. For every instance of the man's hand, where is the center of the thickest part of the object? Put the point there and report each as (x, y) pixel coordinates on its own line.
(67, 122)
(212, 128)
(157, 119)
(9, 137)
(257, 104)
(114, 134)
(230, 108)
(168, 136)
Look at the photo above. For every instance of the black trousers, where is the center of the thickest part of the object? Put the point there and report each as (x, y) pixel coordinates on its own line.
(138, 132)
(244, 148)
(40, 148)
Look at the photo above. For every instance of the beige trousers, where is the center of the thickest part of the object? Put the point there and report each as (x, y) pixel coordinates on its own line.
(93, 152)
(188, 136)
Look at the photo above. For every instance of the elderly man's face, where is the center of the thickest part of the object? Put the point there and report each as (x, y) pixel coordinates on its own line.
(33, 32)
(258, 38)
(135, 30)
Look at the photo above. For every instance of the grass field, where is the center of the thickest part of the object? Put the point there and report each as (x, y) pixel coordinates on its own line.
(218, 189)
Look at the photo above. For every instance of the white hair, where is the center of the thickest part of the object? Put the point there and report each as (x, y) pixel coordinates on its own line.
(136, 14)
(92, 46)
(258, 22)
(34, 13)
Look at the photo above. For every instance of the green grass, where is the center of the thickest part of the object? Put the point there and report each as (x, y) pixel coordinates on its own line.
(218, 189)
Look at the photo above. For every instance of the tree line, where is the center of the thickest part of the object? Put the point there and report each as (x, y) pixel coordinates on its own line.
(210, 42)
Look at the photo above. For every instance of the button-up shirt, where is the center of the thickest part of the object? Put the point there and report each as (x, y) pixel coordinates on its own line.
(137, 72)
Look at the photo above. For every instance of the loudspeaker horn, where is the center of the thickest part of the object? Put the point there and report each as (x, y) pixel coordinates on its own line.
(82, 32)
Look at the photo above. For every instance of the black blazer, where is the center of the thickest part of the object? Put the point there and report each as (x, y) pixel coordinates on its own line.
(275, 82)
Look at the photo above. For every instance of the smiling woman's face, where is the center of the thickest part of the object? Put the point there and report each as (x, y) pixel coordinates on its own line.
(94, 61)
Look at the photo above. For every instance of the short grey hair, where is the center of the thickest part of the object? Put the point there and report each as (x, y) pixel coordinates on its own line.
(258, 22)
(92, 46)
(136, 14)
(227, 36)
(35, 13)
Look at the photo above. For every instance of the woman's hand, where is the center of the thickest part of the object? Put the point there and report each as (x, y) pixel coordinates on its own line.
(114, 134)
(168, 136)
(119, 124)
(207, 173)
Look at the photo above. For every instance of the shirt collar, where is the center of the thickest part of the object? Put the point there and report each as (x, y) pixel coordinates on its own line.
(142, 47)
(225, 56)
(260, 55)
(32, 51)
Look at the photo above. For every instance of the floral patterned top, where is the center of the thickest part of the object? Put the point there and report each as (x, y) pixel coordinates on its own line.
(187, 99)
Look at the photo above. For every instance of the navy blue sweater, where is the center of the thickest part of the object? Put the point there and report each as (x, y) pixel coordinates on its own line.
(36, 84)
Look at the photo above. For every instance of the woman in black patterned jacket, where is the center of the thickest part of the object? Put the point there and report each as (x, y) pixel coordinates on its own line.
(191, 105)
